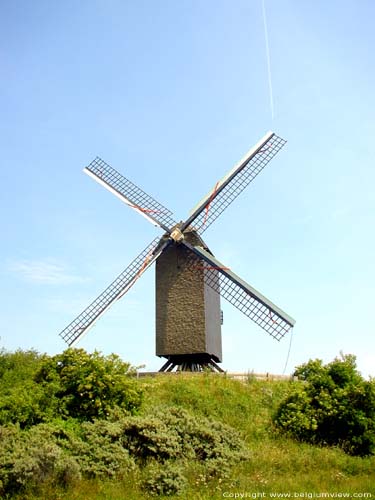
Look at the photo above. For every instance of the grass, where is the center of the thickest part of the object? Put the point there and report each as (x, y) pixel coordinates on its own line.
(276, 464)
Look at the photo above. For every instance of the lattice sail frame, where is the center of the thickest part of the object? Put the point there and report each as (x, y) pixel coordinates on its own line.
(240, 294)
(113, 292)
(131, 194)
(223, 194)
(248, 304)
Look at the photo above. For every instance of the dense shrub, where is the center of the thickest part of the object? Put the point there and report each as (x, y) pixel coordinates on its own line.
(31, 458)
(37, 388)
(89, 386)
(74, 415)
(22, 399)
(172, 437)
(173, 433)
(27, 404)
(62, 451)
(334, 406)
(165, 480)
(99, 450)
(17, 366)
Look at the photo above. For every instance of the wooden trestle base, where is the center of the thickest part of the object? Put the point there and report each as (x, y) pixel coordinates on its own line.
(191, 363)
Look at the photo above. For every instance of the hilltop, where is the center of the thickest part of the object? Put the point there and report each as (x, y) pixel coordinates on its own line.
(231, 417)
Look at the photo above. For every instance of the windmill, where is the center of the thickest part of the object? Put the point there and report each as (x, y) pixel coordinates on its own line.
(189, 279)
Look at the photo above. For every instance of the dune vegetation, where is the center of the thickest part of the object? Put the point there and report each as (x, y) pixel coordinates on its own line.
(77, 426)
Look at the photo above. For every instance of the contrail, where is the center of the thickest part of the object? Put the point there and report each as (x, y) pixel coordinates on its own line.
(268, 57)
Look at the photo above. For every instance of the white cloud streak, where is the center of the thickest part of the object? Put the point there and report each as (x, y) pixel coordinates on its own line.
(45, 272)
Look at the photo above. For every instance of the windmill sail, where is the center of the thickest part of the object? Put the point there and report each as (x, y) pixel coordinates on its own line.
(243, 296)
(74, 331)
(130, 194)
(229, 187)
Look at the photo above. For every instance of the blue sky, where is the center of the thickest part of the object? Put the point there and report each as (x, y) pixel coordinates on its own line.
(172, 94)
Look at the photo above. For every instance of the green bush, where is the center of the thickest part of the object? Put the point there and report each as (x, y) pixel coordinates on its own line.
(31, 458)
(333, 406)
(63, 451)
(165, 480)
(38, 388)
(74, 415)
(173, 433)
(25, 404)
(89, 386)
(99, 450)
(17, 366)
(22, 399)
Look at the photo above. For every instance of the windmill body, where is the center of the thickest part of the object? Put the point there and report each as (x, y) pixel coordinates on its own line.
(189, 279)
(188, 314)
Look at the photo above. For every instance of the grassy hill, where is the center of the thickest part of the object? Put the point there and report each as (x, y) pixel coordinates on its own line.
(275, 464)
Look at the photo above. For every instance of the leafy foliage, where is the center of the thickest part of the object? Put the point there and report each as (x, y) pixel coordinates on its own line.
(61, 452)
(166, 480)
(76, 415)
(98, 449)
(22, 400)
(76, 384)
(31, 458)
(335, 406)
(87, 385)
(17, 366)
(186, 438)
(173, 433)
